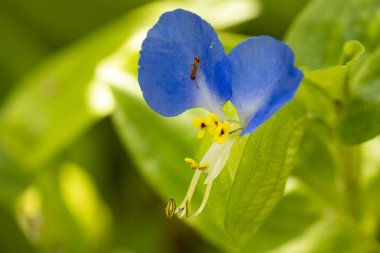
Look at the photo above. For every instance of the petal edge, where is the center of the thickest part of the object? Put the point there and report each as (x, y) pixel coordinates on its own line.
(264, 78)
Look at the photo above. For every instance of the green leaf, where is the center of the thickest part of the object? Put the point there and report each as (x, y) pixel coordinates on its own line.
(263, 170)
(57, 101)
(331, 234)
(352, 50)
(315, 165)
(12, 238)
(319, 33)
(371, 180)
(333, 80)
(317, 36)
(58, 230)
(62, 210)
(361, 119)
(16, 56)
(80, 196)
(290, 219)
(13, 180)
(58, 25)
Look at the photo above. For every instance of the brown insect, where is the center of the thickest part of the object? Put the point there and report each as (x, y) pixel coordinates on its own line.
(195, 67)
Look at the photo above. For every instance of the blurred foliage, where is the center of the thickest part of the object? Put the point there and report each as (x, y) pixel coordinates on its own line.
(85, 165)
(33, 30)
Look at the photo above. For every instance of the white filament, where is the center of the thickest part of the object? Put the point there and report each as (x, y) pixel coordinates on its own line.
(217, 155)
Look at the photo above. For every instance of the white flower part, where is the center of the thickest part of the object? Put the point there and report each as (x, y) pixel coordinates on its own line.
(217, 156)
(207, 99)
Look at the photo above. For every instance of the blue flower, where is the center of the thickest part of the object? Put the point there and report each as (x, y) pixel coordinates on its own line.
(183, 65)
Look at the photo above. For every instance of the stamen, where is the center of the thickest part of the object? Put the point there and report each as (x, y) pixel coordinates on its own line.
(215, 122)
(222, 132)
(205, 198)
(193, 183)
(202, 124)
(189, 194)
(195, 166)
(192, 163)
(214, 118)
(212, 123)
(218, 158)
(212, 162)
(203, 166)
(170, 208)
(201, 133)
(188, 209)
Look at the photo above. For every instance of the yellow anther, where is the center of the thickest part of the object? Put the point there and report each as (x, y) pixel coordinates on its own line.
(197, 122)
(202, 124)
(215, 122)
(222, 132)
(201, 133)
(203, 166)
(195, 166)
(170, 208)
(214, 118)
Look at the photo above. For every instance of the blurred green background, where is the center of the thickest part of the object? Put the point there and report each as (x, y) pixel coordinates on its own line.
(67, 181)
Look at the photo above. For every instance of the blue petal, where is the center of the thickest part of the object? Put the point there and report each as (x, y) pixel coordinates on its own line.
(166, 63)
(264, 78)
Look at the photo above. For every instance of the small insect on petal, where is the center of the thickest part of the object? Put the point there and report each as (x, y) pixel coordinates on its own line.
(170, 208)
(194, 68)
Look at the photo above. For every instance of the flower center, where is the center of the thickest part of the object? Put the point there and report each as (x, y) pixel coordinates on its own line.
(220, 130)
(213, 161)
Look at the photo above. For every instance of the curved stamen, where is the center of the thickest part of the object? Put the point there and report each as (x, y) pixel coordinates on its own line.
(205, 198)
(189, 194)
(170, 208)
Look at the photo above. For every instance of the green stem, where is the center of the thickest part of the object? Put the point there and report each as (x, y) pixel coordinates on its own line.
(349, 163)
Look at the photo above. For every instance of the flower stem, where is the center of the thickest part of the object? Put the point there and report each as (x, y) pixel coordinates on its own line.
(349, 163)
